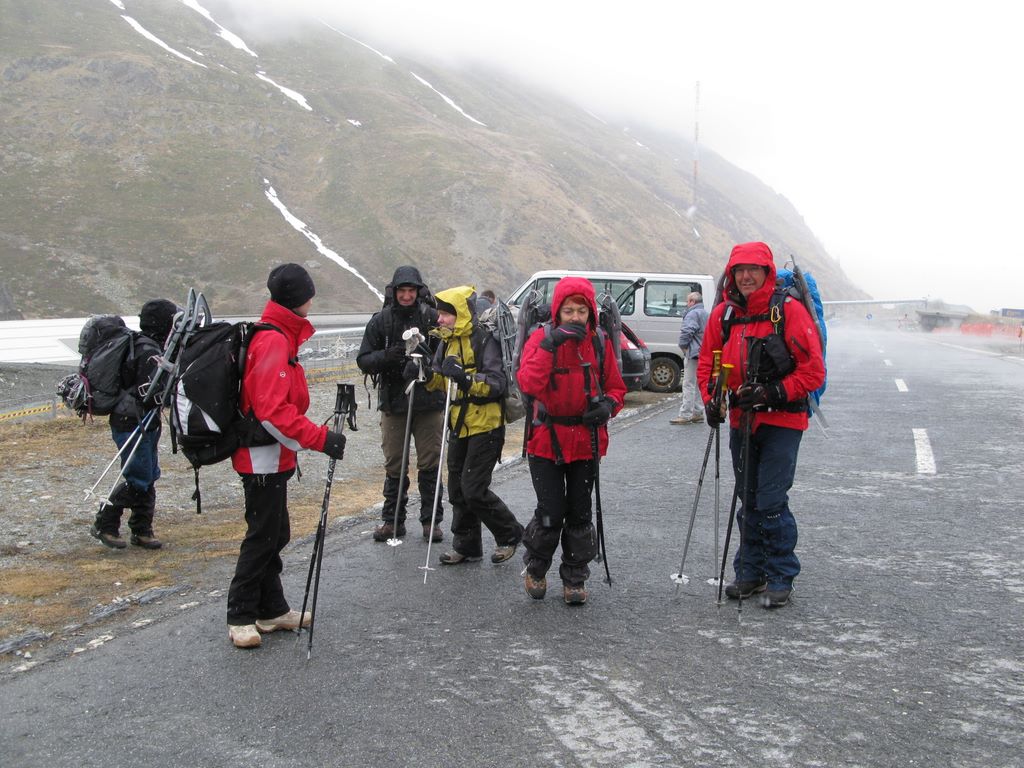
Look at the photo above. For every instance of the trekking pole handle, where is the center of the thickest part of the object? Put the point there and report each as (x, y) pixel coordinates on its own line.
(345, 403)
(721, 385)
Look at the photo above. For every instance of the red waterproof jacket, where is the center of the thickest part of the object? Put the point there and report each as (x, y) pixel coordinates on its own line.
(556, 381)
(274, 386)
(801, 339)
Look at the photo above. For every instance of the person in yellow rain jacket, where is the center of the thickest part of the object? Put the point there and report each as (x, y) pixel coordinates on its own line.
(470, 358)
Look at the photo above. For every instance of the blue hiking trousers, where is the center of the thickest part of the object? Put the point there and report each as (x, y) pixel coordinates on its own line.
(767, 529)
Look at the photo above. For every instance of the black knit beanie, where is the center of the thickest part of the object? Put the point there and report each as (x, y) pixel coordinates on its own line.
(444, 306)
(156, 317)
(290, 285)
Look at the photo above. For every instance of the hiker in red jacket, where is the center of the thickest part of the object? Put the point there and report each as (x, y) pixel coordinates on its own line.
(768, 391)
(274, 388)
(561, 453)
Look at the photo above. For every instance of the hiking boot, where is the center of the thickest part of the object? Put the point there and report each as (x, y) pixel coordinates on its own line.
(438, 535)
(387, 531)
(697, 418)
(501, 554)
(776, 598)
(574, 595)
(288, 620)
(536, 588)
(112, 540)
(679, 420)
(454, 558)
(744, 589)
(146, 542)
(244, 635)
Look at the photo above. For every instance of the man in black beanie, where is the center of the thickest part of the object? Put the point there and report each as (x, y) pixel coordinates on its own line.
(274, 390)
(137, 489)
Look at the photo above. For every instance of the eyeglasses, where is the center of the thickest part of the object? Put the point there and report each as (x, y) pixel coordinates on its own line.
(747, 269)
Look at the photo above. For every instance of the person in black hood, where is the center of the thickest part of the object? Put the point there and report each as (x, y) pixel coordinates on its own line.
(408, 303)
(137, 489)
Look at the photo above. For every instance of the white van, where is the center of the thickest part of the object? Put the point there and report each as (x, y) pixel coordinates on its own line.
(651, 303)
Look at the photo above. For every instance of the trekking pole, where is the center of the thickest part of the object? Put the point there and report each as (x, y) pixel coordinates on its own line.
(723, 411)
(728, 536)
(437, 487)
(681, 577)
(753, 365)
(139, 427)
(131, 454)
(595, 450)
(344, 404)
(748, 418)
(413, 338)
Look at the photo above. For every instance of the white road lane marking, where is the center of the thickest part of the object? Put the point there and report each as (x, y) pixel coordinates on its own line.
(925, 457)
(901, 385)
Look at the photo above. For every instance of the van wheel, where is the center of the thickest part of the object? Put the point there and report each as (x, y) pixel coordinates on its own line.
(664, 375)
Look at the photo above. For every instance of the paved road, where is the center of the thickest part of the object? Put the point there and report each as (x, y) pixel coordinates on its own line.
(902, 645)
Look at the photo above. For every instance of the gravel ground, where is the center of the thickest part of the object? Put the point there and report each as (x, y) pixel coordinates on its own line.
(56, 581)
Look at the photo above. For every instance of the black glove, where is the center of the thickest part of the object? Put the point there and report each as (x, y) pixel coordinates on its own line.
(713, 413)
(411, 370)
(560, 334)
(394, 355)
(598, 412)
(751, 396)
(334, 445)
(453, 369)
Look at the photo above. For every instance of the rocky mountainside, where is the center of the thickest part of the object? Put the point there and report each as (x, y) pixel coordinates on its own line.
(148, 145)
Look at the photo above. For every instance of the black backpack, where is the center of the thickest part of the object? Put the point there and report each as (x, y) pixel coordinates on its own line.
(107, 347)
(206, 421)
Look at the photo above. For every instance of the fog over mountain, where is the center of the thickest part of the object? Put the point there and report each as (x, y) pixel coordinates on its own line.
(155, 145)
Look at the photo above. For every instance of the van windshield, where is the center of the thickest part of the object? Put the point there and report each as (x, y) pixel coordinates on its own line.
(667, 299)
(546, 287)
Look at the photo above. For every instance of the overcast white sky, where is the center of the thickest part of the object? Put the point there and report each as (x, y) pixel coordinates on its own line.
(893, 127)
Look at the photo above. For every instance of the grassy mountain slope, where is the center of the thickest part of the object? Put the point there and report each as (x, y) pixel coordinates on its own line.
(128, 172)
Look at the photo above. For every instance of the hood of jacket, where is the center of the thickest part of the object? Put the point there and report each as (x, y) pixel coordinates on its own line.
(463, 299)
(406, 275)
(572, 286)
(750, 253)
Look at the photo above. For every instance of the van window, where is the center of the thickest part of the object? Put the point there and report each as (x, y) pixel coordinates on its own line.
(667, 299)
(545, 286)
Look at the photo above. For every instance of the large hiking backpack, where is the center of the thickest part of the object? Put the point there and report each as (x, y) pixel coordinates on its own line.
(206, 421)
(107, 347)
(501, 324)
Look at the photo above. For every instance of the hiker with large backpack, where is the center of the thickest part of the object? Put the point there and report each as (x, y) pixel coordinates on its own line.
(772, 342)
(408, 304)
(134, 427)
(569, 372)
(274, 390)
(470, 357)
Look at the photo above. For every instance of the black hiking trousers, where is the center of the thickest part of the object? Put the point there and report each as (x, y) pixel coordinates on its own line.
(256, 591)
(471, 463)
(564, 514)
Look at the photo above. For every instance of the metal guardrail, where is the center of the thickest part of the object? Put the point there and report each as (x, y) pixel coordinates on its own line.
(327, 357)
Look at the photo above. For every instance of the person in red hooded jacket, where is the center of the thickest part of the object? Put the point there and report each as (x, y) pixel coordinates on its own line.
(274, 390)
(768, 389)
(556, 358)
